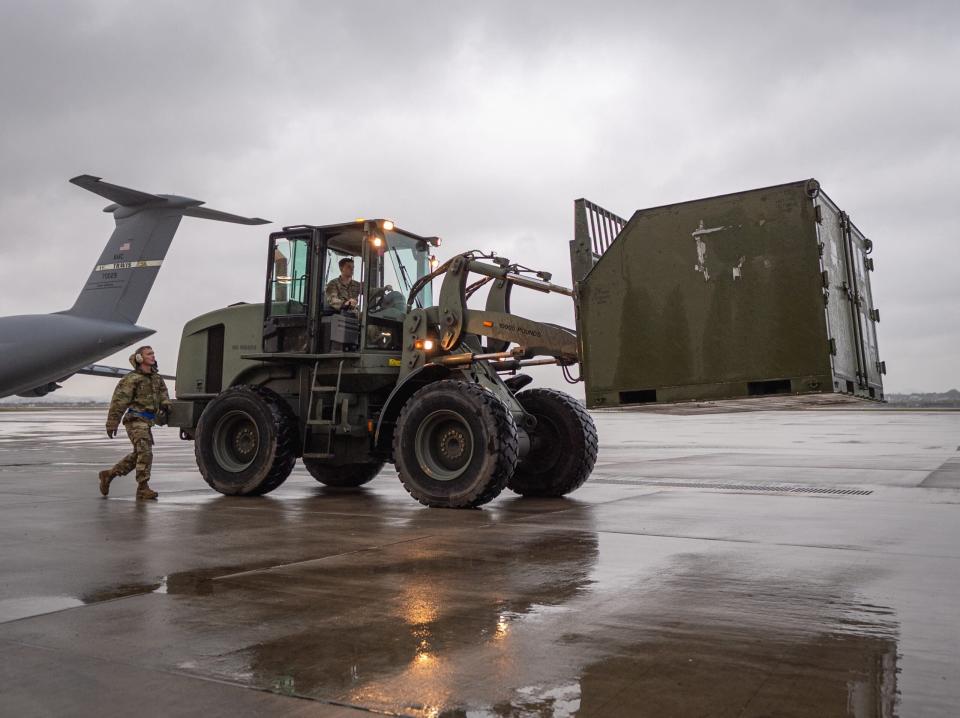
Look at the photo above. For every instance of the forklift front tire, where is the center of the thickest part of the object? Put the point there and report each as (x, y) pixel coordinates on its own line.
(455, 445)
(563, 446)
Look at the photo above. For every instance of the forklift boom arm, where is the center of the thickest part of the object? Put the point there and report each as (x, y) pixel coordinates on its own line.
(497, 322)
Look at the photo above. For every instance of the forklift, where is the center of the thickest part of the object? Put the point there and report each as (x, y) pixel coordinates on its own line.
(425, 383)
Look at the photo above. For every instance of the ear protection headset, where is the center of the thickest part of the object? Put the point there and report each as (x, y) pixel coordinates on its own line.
(138, 358)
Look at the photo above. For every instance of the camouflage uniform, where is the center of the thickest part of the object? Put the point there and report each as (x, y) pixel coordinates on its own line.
(137, 393)
(337, 292)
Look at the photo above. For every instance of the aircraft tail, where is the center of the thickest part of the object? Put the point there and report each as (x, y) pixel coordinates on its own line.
(145, 224)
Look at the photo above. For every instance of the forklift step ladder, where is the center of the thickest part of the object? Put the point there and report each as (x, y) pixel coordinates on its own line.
(315, 409)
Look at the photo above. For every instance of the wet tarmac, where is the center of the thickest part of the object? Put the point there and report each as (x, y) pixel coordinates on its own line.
(794, 563)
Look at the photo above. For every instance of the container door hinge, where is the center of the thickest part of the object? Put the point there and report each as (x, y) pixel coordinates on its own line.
(826, 298)
(820, 246)
(882, 367)
(818, 214)
(868, 263)
(875, 315)
(833, 346)
(825, 276)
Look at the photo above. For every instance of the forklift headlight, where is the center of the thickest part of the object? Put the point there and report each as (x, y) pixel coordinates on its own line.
(433, 262)
(424, 344)
(377, 241)
(387, 225)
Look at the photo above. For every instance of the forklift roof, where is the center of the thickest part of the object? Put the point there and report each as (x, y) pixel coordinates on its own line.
(347, 237)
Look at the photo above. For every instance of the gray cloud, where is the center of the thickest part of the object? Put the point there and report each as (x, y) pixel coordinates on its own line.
(480, 122)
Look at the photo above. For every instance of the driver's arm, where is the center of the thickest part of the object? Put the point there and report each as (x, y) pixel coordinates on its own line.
(331, 296)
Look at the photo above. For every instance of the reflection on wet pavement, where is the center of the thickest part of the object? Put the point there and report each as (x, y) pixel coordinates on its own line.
(12, 609)
(624, 600)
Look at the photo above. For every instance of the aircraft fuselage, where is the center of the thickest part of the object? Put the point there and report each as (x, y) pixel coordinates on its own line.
(39, 349)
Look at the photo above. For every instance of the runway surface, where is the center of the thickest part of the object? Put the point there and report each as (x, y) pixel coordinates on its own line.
(794, 563)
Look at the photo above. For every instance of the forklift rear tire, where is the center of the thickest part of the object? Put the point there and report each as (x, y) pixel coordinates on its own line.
(346, 476)
(563, 446)
(455, 445)
(246, 442)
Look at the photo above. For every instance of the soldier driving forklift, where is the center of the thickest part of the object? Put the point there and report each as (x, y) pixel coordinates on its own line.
(348, 375)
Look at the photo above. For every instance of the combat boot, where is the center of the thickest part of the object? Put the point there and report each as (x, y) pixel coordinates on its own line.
(145, 492)
(106, 476)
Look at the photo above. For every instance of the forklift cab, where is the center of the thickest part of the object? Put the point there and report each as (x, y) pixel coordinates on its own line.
(303, 261)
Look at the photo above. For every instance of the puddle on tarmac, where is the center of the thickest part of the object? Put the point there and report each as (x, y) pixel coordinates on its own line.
(555, 637)
(189, 583)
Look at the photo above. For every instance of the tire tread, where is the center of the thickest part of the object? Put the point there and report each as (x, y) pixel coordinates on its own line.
(563, 484)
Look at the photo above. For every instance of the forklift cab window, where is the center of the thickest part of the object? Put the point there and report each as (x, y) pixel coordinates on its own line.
(288, 276)
(394, 269)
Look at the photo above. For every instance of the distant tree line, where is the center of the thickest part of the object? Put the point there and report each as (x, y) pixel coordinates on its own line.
(941, 400)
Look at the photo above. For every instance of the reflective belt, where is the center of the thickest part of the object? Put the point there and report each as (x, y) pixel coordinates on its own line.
(148, 415)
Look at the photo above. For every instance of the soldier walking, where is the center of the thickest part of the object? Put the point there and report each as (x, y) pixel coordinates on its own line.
(140, 401)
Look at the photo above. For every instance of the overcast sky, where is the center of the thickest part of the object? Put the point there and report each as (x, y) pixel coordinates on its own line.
(479, 122)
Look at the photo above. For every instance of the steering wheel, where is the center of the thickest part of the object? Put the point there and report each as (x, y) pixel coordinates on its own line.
(376, 298)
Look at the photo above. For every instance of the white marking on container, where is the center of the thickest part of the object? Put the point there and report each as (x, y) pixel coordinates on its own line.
(701, 265)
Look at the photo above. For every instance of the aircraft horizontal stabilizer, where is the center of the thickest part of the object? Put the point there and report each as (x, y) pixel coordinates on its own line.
(205, 213)
(115, 193)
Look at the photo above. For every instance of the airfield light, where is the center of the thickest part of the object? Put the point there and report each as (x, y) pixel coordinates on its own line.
(387, 225)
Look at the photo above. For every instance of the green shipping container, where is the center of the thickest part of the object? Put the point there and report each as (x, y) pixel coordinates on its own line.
(757, 293)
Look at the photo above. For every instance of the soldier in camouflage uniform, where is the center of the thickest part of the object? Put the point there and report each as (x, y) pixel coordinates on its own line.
(140, 401)
(343, 292)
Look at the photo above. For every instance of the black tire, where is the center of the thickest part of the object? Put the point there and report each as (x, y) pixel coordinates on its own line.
(563, 446)
(246, 442)
(455, 445)
(346, 476)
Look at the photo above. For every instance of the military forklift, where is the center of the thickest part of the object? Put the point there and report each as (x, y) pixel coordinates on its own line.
(435, 388)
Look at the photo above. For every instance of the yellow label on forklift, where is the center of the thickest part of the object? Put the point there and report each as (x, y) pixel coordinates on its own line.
(393, 362)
